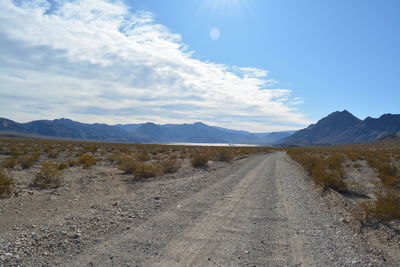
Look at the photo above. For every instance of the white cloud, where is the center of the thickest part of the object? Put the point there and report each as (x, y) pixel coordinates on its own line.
(94, 61)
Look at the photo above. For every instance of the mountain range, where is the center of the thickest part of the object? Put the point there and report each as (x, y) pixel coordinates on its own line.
(140, 133)
(342, 127)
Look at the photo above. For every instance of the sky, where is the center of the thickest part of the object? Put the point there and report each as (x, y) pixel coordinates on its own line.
(255, 65)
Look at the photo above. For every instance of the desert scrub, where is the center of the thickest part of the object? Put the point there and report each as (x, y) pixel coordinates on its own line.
(200, 159)
(142, 156)
(6, 183)
(326, 172)
(87, 160)
(49, 176)
(27, 161)
(385, 208)
(170, 165)
(356, 165)
(224, 154)
(53, 153)
(147, 170)
(388, 173)
(127, 165)
(9, 163)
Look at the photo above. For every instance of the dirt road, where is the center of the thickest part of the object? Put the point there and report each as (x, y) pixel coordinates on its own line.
(260, 213)
(257, 211)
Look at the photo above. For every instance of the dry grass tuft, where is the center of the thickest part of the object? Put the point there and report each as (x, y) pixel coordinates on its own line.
(200, 159)
(224, 154)
(6, 184)
(49, 176)
(87, 160)
(170, 165)
(27, 161)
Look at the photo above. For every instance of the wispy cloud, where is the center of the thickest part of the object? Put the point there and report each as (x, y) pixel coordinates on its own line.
(96, 61)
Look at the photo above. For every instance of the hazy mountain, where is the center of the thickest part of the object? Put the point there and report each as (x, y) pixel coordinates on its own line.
(65, 128)
(344, 128)
(141, 133)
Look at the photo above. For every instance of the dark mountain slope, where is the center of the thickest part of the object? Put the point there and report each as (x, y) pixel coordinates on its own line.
(344, 128)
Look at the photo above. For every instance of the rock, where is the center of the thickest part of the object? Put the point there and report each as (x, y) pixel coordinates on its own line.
(157, 198)
(76, 236)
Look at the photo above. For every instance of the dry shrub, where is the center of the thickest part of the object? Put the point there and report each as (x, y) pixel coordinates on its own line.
(49, 176)
(72, 162)
(87, 160)
(170, 165)
(53, 153)
(325, 172)
(28, 161)
(224, 154)
(387, 172)
(144, 170)
(9, 163)
(62, 166)
(6, 183)
(140, 169)
(356, 165)
(200, 159)
(127, 165)
(142, 156)
(116, 157)
(385, 208)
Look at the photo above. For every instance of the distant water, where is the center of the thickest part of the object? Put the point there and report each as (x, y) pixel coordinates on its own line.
(211, 144)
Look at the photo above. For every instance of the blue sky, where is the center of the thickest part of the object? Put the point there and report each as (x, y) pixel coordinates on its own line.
(270, 65)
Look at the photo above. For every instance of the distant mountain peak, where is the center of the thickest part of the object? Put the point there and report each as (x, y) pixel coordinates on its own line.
(342, 127)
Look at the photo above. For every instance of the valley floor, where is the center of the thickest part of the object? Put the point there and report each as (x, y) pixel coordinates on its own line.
(254, 211)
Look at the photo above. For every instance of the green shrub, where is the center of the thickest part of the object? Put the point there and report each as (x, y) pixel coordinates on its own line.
(6, 184)
(49, 176)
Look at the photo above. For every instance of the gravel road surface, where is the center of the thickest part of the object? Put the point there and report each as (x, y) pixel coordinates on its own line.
(258, 213)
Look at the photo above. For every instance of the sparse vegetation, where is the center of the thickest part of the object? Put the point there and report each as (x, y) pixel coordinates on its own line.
(9, 162)
(87, 160)
(27, 161)
(49, 176)
(224, 154)
(325, 171)
(128, 165)
(170, 165)
(200, 159)
(6, 183)
(147, 170)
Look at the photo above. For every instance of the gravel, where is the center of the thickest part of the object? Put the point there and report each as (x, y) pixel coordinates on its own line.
(255, 211)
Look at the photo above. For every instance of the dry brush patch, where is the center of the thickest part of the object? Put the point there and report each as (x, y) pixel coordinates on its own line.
(200, 159)
(49, 176)
(6, 183)
(382, 157)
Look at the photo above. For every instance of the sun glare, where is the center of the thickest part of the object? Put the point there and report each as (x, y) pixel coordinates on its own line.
(226, 8)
